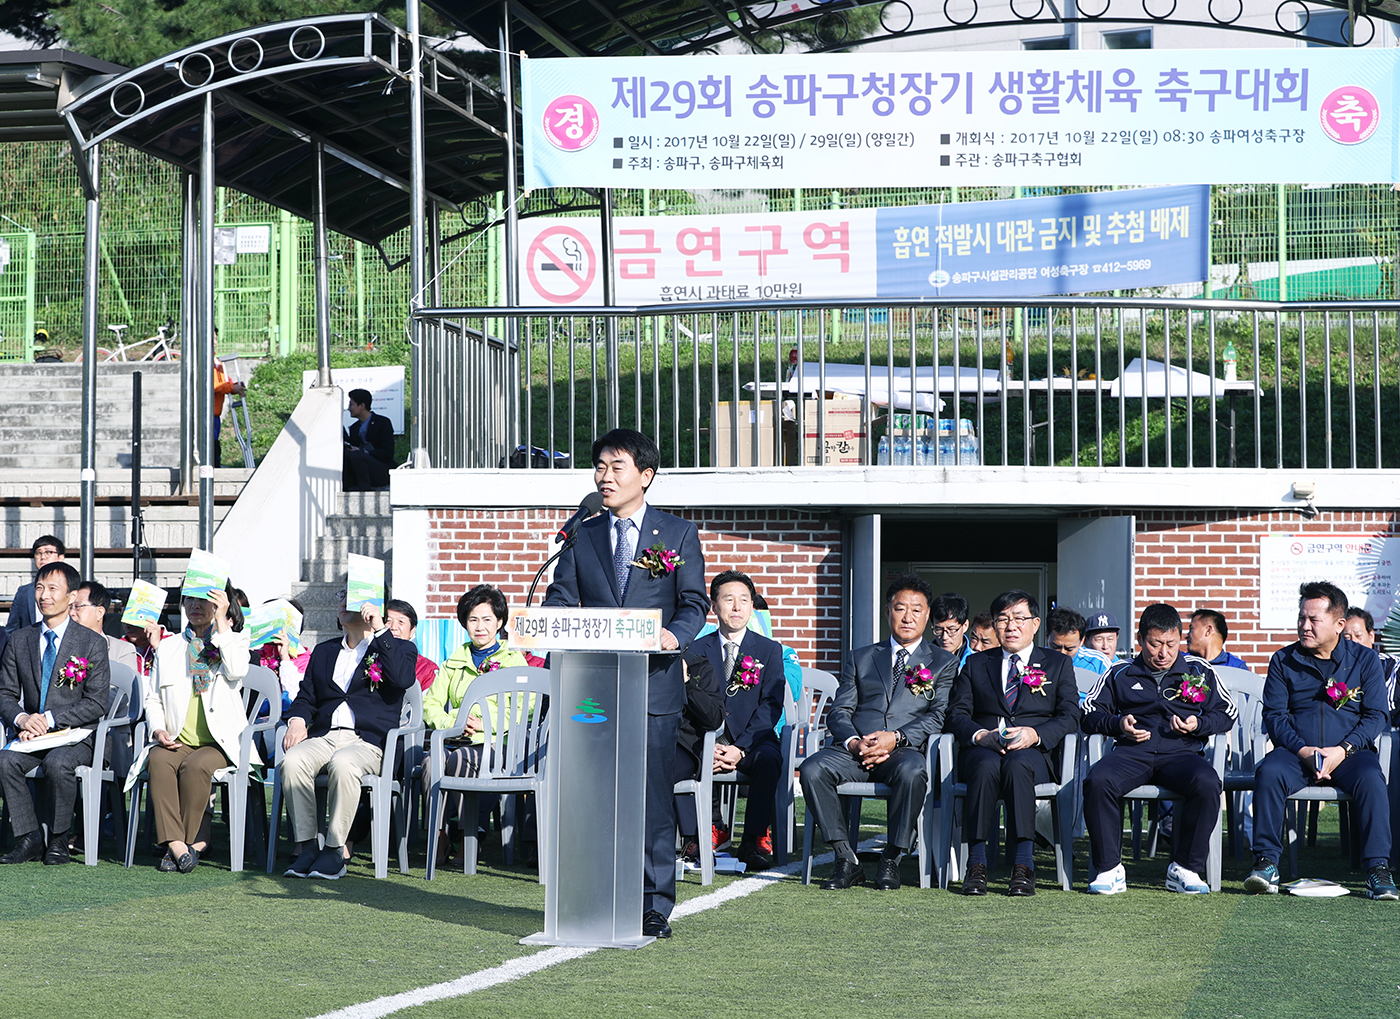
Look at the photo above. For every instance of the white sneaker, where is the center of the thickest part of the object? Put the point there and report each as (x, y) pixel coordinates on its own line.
(1110, 882)
(1179, 879)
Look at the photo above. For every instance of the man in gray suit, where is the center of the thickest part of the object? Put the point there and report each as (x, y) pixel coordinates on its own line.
(53, 675)
(891, 700)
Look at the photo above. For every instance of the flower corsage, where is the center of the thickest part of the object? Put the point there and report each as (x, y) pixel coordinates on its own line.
(659, 561)
(1192, 690)
(1340, 695)
(1034, 679)
(75, 670)
(374, 672)
(747, 676)
(919, 681)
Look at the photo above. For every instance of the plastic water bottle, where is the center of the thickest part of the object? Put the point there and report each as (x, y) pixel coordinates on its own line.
(882, 457)
(1231, 359)
(928, 452)
(901, 451)
(968, 450)
(945, 450)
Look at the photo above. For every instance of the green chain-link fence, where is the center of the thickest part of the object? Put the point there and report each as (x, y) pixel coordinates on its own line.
(1342, 243)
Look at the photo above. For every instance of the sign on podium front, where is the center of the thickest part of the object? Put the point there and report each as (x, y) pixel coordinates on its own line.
(552, 629)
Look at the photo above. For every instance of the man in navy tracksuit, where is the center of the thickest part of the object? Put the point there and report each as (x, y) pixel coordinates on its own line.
(1325, 704)
(1160, 707)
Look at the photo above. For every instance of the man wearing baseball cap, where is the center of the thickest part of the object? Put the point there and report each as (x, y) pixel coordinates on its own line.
(1101, 634)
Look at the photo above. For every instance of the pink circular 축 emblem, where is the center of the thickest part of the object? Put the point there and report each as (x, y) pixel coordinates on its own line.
(1349, 114)
(571, 123)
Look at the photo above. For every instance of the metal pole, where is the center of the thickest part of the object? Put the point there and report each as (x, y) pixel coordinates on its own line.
(189, 316)
(137, 523)
(610, 323)
(91, 286)
(204, 339)
(417, 188)
(323, 269)
(512, 223)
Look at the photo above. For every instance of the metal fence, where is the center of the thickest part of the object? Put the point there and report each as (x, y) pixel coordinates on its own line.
(1077, 382)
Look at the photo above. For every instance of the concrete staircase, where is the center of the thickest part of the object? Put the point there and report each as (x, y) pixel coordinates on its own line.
(44, 415)
(363, 524)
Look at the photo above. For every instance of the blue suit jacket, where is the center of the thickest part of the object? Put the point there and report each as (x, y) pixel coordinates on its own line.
(584, 578)
(376, 710)
(22, 610)
(750, 715)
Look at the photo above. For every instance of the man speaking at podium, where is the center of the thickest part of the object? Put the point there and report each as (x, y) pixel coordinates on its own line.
(637, 557)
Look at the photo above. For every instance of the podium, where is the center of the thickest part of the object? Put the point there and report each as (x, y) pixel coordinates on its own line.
(593, 816)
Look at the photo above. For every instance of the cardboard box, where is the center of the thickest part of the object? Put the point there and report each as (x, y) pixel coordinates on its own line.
(843, 432)
(722, 432)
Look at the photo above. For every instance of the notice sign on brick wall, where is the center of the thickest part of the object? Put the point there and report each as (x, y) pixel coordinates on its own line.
(1363, 566)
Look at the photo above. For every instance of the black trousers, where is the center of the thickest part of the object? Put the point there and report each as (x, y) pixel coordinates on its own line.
(362, 472)
(60, 782)
(1195, 814)
(1012, 777)
(903, 771)
(761, 768)
(659, 859)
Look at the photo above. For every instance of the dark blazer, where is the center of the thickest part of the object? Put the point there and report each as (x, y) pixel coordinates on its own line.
(867, 702)
(1128, 688)
(749, 715)
(22, 610)
(584, 577)
(978, 700)
(21, 675)
(379, 442)
(376, 710)
(704, 704)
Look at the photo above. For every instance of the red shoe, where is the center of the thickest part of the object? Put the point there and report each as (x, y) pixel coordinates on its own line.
(765, 842)
(719, 835)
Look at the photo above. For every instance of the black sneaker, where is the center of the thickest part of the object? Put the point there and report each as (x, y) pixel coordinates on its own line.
(330, 865)
(1263, 878)
(301, 866)
(1379, 885)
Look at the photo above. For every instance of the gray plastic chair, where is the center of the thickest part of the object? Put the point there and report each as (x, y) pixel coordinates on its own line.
(1329, 794)
(1246, 748)
(1064, 810)
(1216, 749)
(124, 710)
(258, 685)
(701, 790)
(513, 757)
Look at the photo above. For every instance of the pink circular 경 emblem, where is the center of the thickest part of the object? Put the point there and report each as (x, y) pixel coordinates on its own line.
(1350, 114)
(571, 123)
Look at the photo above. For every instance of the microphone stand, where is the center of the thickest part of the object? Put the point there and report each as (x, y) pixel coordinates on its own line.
(568, 543)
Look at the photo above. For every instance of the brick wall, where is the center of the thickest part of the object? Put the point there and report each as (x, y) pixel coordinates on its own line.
(1210, 559)
(793, 557)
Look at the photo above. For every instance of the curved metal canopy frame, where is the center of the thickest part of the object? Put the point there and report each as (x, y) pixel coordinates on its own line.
(340, 81)
(550, 28)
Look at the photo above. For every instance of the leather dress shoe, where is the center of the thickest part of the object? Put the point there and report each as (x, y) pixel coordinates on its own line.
(31, 847)
(847, 874)
(654, 925)
(1022, 881)
(975, 881)
(57, 853)
(887, 877)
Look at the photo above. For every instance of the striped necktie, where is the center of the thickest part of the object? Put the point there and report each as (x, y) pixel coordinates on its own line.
(1013, 680)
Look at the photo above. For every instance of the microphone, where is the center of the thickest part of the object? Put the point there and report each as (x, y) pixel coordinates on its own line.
(592, 503)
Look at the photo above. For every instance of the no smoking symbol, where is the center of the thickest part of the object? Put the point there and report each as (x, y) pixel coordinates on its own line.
(561, 265)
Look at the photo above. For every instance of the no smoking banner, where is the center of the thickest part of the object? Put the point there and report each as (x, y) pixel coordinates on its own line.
(561, 263)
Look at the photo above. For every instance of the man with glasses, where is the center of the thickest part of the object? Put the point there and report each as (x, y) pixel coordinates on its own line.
(1009, 710)
(949, 630)
(24, 609)
(90, 609)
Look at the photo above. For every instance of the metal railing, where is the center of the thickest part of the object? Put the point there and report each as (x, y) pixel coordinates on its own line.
(1070, 382)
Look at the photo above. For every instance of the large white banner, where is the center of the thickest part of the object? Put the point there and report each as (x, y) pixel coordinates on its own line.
(1366, 567)
(978, 118)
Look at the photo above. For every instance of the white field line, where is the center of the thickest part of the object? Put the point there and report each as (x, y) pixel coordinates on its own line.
(524, 966)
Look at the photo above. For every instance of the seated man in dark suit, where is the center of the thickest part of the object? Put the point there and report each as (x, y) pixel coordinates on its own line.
(1010, 709)
(889, 703)
(703, 712)
(53, 675)
(1161, 708)
(751, 669)
(24, 610)
(369, 445)
(351, 696)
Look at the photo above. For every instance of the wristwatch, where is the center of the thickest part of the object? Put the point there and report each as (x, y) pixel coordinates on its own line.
(900, 740)
(1348, 748)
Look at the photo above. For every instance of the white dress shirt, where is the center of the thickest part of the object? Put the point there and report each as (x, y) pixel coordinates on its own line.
(346, 662)
(636, 519)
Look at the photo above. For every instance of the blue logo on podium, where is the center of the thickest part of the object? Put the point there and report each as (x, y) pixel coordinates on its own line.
(588, 712)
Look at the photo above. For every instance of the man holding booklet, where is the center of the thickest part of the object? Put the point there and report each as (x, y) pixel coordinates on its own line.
(53, 677)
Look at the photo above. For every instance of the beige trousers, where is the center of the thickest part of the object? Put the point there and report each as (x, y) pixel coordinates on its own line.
(345, 758)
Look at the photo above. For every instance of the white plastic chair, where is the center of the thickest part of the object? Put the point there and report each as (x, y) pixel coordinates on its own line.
(701, 791)
(1215, 752)
(124, 710)
(1064, 810)
(390, 797)
(1246, 747)
(512, 757)
(808, 734)
(258, 685)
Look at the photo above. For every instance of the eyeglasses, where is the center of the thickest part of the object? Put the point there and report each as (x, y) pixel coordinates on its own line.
(948, 631)
(1004, 621)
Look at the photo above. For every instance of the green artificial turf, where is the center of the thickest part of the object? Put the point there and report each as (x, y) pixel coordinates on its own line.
(114, 942)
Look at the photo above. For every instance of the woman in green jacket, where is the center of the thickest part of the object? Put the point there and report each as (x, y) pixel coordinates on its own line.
(483, 613)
